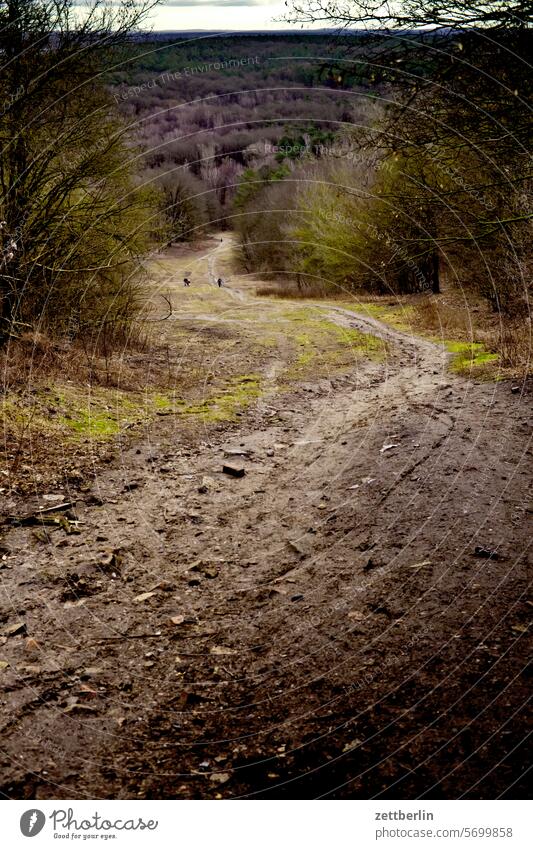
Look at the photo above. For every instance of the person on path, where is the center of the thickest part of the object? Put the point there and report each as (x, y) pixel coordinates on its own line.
(186, 281)
(220, 282)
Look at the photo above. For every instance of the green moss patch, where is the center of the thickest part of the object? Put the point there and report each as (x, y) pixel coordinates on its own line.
(239, 393)
(323, 345)
(398, 316)
(471, 356)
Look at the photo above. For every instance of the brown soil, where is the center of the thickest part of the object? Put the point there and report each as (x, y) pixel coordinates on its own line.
(322, 626)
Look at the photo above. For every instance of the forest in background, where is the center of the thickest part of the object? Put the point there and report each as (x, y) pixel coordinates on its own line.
(378, 163)
(215, 114)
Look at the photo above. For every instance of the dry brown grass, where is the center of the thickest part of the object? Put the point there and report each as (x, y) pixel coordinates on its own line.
(291, 291)
(515, 345)
(104, 360)
(35, 356)
(46, 383)
(443, 315)
(458, 317)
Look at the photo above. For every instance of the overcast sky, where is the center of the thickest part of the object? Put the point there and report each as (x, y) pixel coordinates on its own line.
(219, 14)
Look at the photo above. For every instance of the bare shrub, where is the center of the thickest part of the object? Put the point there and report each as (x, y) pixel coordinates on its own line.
(292, 290)
(515, 345)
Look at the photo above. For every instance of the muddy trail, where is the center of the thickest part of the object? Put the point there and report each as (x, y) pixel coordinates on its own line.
(346, 619)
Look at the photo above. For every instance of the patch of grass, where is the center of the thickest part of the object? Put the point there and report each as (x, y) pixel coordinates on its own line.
(484, 355)
(268, 341)
(161, 402)
(98, 416)
(364, 343)
(398, 316)
(239, 394)
(305, 357)
(45, 420)
(92, 425)
(325, 345)
(470, 356)
(303, 339)
(302, 314)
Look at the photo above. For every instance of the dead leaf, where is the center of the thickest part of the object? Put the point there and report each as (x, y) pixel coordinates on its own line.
(349, 746)
(221, 650)
(3, 665)
(143, 597)
(220, 777)
(28, 669)
(13, 630)
(92, 670)
(177, 620)
(87, 691)
(420, 565)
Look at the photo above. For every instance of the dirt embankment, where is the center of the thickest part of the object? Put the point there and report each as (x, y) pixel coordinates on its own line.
(346, 619)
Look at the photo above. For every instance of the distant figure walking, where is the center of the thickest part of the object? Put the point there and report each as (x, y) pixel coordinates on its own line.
(220, 282)
(186, 281)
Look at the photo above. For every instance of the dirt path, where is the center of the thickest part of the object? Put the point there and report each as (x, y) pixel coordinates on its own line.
(320, 626)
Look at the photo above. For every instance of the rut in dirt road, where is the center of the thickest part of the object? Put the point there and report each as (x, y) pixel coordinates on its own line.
(345, 620)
